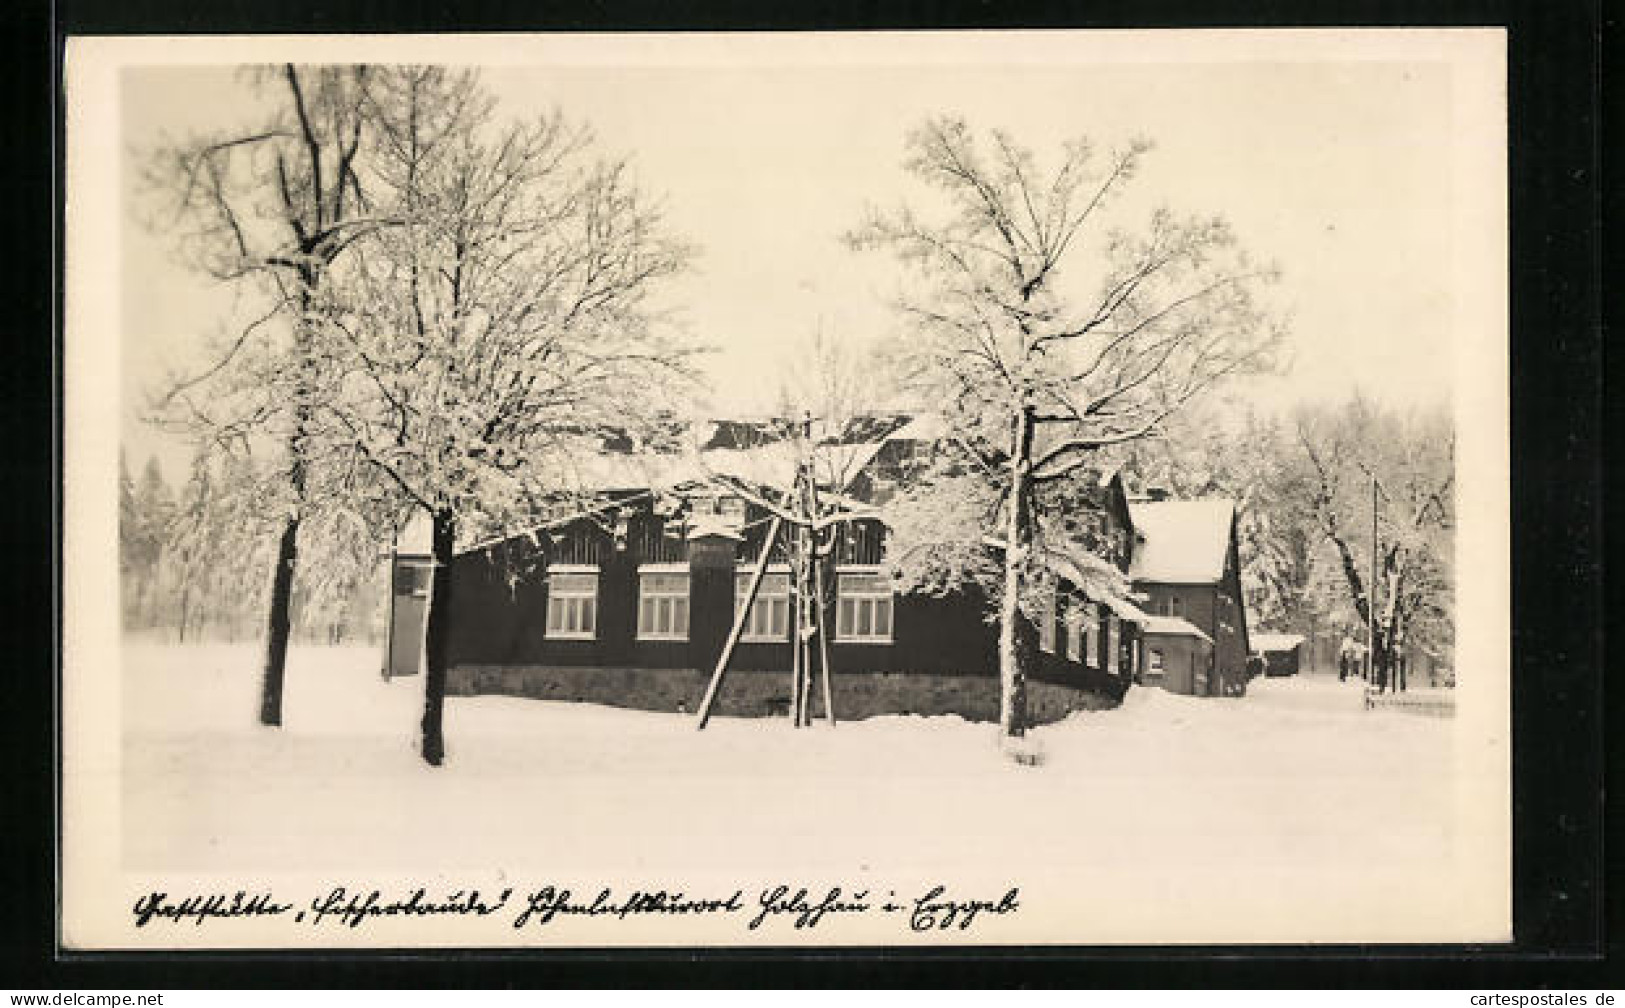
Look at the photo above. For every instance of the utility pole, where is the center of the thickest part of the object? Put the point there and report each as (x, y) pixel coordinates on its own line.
(1371, 595)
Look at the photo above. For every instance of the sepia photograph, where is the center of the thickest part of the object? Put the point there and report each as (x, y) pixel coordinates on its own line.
(1037, 488)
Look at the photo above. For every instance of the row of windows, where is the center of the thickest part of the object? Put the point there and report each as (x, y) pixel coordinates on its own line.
(1084, 639)
(863, 611)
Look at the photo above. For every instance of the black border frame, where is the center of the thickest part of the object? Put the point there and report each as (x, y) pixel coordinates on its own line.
(1555, 55)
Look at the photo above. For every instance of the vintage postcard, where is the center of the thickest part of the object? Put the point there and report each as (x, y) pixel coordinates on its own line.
(880, 489)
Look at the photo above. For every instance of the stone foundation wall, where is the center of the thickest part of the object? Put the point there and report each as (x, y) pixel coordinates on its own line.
(857, 695)
(1050, 702)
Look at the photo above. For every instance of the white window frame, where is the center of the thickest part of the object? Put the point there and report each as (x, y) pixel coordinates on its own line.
(742, 578)
(1091, 629)
(676, 633)
(1155, 662)
(729, 508)
(1112, 632)
(874, 598)
(1074, 626)
(1046, 625)
(553, 595)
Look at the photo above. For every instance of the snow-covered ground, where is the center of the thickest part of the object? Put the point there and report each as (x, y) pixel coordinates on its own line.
(1297, 771)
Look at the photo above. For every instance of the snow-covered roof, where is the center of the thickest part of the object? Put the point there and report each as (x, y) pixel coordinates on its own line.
(767, 461)
(769, 465)
(1185, 542)
(923, 427)
(1276, 641)
(598, 472)
(1172, 625)
(1127, 610)
(713, 525)
(417, 537)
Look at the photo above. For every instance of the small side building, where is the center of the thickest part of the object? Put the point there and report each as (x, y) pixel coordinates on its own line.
(1282, 653)
(1178, 656)
(1188, 568)
(411, 567)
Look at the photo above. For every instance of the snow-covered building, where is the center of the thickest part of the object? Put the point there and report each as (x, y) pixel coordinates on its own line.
(1188, 569)
(1280, 652)
(632, 603)
(1177, 655)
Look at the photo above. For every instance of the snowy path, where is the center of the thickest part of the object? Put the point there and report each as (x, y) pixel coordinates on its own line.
(1294, 777)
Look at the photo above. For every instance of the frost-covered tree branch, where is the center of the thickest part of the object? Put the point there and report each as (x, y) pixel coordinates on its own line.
(513, 326)
(1045, 336)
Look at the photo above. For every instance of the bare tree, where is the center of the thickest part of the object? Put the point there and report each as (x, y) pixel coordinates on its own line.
(272, 206)
(1369, 464)
(503, 335)
(1034, 370)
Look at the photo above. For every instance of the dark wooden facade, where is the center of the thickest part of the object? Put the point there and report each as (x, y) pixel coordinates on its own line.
(500, 604)
(941, 656)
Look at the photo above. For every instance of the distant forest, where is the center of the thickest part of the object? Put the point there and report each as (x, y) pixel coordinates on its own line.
(195, 562)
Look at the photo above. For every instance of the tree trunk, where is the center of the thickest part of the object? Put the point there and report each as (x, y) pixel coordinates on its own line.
(279, 625)
(1018, 542)
(279, 621)
(186, 600)
(437, 634)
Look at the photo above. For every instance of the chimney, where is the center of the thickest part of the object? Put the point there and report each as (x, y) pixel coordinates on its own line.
(1156, 493)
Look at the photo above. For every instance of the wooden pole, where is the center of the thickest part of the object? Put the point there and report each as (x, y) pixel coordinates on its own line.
(807, 662)
(806, 603)
(1377, 672)
(739, 622)
(1371, 604)
(796, 639)
(800, 670)
(823, 643)
(389, 628)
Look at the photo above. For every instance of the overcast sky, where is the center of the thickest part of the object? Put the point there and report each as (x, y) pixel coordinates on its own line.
(1339, 170)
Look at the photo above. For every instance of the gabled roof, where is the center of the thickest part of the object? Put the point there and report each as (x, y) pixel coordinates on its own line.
(753, 453)
(1185, 542)
(1275, 642)
(416, 538)
(1172, 625)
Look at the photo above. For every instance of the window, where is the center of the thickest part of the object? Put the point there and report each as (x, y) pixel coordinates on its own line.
(1171, 606)
(1091, 627)
(729, 508)
(572, 605)
(1046, 624)
(1113, 638)
(412, 579)
(769, 618)
(1153, 661)
(662, 605)
(1074, 632)
(864, 612)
